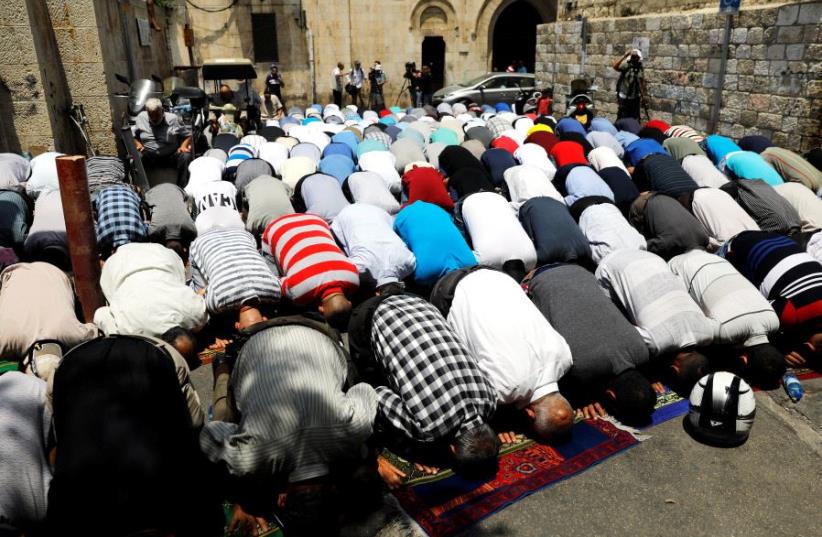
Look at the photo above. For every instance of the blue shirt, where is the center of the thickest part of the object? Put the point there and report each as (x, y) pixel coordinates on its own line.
(569, 124)
(639, 149)
(436, 242)
(750, 165)
(582, 182)
(719, 146)
(338, 166)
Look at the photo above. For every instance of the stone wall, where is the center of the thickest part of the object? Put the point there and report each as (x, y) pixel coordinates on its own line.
(773, 82)
(90, 37)
(569, 10)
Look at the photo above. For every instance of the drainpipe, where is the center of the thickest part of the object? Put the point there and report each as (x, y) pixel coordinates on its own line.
(125, 12)
(311, 67)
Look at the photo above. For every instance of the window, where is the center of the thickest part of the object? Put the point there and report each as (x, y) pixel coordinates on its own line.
(498, 83)
(264, 36)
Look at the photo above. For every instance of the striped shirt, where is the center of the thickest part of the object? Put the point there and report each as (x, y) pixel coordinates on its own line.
(313, 265)
(742, 313)
(770, 210)
(666, 176)
(655, 301)
(225, 262)
(786, 275)
(293, 425)
(793, 167)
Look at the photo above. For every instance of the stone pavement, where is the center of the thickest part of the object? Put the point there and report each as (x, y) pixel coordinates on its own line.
(672, 485)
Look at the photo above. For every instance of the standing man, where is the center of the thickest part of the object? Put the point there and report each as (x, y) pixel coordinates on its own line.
(631, 84)
(162, 139)
(427, 85)
(355, 86)
(337, 85)
(273, 86)
(377, 79)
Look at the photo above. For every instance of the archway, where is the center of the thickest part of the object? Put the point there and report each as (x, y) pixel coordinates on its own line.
(433, 55)
(514, 36)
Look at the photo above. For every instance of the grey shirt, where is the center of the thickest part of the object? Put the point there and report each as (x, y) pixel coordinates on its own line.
(170, 218)
(268, 198)
(163, 139)
(295, 418)
(25, 473)
(573, 302)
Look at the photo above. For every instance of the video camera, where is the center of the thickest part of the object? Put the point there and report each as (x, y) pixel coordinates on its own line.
(410, 68)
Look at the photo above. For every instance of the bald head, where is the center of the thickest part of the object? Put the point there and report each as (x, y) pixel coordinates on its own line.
(551, 416)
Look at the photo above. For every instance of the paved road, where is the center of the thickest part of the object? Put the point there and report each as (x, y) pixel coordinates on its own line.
(671, 485)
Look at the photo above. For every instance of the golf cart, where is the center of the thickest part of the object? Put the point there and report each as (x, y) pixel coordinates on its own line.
(246, 100)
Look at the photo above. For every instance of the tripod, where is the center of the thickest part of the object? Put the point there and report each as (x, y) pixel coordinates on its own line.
(405, 86)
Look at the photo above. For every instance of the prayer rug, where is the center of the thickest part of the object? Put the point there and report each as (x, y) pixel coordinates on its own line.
(445, 504)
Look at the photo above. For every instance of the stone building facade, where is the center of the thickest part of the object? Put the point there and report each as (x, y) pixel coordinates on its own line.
(313, 35)
(773, 82)
(92, 41)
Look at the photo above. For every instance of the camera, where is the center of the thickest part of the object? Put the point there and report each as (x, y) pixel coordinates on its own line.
(410, 67)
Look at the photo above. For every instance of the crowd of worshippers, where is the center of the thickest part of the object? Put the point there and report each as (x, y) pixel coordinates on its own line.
(495, 275)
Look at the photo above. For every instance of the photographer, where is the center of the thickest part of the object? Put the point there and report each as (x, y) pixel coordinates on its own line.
(631, 84)
(377, 79)
(412, 76)
(354, 86)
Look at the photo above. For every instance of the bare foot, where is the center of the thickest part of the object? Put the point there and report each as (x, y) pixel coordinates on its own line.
(509, 437)
(247, 524)
(219, 345)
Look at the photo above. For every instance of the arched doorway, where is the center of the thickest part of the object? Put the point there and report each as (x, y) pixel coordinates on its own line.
(433, 55)
(515, 36)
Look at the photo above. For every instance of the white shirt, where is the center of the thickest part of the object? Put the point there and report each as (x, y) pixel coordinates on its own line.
(383, 163)
(275, 154)
(526, 182)
(145, 286)
(201, 171)
(607, 230)
(496, 234)
(605, 139)
(222, 217)
(805, 202)
(369, 187)
(295, 168)
(703, 171)
(367, 235)
(520, 352)
(43, 176)
(216, 194)
(535, 155)
(14, 170)
(605, 157)
(720, 214)
(814, 247)
(742, 313)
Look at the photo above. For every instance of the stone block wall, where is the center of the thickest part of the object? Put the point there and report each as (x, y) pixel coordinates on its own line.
(773, 81)
(570, 9)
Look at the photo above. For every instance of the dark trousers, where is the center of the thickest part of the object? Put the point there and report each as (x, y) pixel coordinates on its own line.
(628, 108)
(427, 98)
(179, 161)
(337, 98)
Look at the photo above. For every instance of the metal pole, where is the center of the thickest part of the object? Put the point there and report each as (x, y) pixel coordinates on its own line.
(721, 79)
(85, 262)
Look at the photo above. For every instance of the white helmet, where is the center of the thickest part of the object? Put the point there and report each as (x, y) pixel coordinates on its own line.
(722, 409)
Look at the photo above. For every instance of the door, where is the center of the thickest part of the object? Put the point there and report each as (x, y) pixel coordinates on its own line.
(433, 55)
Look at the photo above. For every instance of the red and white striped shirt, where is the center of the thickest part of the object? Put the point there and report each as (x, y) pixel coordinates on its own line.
(314, 267)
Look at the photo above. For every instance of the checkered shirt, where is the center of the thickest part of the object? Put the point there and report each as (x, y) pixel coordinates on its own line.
(435, 387)
(119, 220)
(497, 126)
(379, 136)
